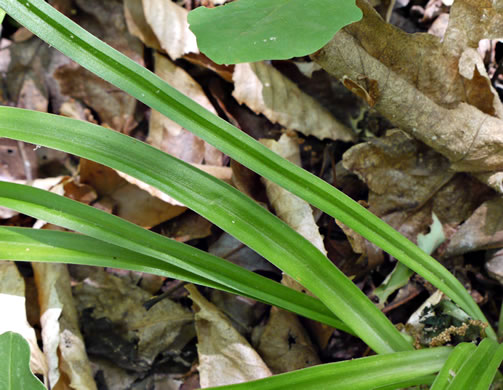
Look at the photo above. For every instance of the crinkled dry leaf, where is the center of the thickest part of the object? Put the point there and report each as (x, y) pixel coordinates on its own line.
(428, 97)
(225, 357)
(116, 307)
(294, 211)
(12, 303)
(284, 344)
(483, 230)
(63, 344)
(169, 23)
(401, 173)
(170, 137)
(266, 91)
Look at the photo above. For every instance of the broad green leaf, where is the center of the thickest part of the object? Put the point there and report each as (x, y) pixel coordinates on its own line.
(15, 373)
(23, 244)
(451, 367)
(359, 374)
(255, 30)
(217, 201)
(99, 58)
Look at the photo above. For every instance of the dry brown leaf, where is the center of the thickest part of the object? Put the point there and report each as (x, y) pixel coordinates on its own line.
(169, 23)
(170, 137)
(64, 347)
(483, 230)
(284, 344)
(111, 300)
(441, 97)
(26, 75)
(126, 199)
(401, 173)
(290, 208)
(225, 357)
(266, 91)
(115, 108)
(13, 305)
(137, 24)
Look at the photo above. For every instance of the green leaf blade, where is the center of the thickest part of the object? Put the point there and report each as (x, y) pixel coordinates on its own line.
(15, 370)
(359, 374)
(255, 30)
(215, 200)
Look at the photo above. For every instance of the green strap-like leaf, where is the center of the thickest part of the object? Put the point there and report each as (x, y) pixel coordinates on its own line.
(359, 374)
(173, 259)
(15, 373)
(451, 367)
(255, 30)
(478, 370)
(99, 58)
(215, 200)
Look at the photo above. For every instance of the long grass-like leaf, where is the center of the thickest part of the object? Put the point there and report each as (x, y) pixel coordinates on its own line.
(478, 370)
(359, 374)
(101, 59)
(217, 201)
(152, 253)
(451, 367)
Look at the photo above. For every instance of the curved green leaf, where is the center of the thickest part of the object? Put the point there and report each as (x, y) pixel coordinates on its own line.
(116, 68)
(451, 367)
(215, 200)
(359, 374)
(478, 371)
(255, 30)
(173, 259)
(15, 370)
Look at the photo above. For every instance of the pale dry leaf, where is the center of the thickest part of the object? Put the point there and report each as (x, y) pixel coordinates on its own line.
(169, 23)
(13, 304)
(296, 212)
(284, 344)
(68, 363)
(169, 136)
(266, 91)
(225, 357)
(471, 139)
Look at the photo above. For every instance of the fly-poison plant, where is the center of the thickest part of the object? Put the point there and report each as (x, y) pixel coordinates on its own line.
(106, 240)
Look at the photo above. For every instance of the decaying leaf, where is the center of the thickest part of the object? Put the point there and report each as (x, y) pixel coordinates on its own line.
(401, 173)
(483, 230)
(169, 24)
(120, 328)
(115, 108)
(225, 357)
(266, 91)
(64, 347)
(284, 343)
(443, 97)
(294, 211)
(12, 304)
(170, 137)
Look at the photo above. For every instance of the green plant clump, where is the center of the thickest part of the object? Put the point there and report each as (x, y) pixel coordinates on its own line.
(106, 240)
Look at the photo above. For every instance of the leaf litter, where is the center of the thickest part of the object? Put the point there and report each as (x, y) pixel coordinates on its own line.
(418, 138)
